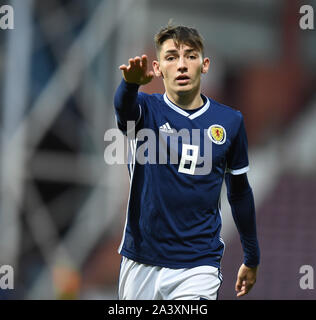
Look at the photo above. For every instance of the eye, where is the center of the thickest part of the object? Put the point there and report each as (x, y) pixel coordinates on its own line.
(170, 58)
(192, 57)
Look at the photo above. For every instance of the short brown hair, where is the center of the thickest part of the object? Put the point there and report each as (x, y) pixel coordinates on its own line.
(180, 35)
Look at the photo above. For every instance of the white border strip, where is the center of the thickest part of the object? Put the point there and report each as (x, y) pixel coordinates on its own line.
(133, 151)
(238, 171)
(174, 107)
(184, 113)
(198, 113)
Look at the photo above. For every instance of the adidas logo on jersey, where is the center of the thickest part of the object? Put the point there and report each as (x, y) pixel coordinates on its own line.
(166, 128)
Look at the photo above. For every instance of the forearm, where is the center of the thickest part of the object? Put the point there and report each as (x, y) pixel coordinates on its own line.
(125, 102)
(241, 199)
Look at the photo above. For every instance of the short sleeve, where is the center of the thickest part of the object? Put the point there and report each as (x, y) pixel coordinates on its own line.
(237, 160)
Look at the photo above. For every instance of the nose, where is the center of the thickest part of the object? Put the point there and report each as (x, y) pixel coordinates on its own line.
(182, 66)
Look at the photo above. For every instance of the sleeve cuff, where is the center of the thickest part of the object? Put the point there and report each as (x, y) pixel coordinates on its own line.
(130, 86)
(237, 171)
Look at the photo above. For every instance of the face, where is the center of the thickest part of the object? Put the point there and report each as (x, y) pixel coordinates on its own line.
(180, 68)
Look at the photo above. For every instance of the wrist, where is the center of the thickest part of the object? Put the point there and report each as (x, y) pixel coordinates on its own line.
(130, 85)
(251, 266)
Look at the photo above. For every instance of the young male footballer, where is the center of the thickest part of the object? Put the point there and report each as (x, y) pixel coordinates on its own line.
(171, 247)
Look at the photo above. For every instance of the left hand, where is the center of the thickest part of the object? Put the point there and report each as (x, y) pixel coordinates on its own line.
(246, 278)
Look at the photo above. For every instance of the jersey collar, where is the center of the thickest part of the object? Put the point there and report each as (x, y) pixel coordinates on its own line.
(191, 116)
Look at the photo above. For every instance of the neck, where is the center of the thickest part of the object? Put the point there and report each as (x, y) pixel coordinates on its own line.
(187, 101)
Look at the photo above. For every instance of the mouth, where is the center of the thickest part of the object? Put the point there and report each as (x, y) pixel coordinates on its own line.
(182, 79)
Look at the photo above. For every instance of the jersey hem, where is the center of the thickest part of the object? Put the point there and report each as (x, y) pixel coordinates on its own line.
(136, 258)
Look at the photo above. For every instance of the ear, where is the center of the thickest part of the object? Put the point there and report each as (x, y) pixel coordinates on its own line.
(156, 68)
(205, 65)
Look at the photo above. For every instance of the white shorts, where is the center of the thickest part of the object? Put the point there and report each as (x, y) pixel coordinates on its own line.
(145, 282)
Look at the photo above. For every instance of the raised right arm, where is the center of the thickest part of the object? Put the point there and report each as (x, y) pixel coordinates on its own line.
(125, 99)
(125, 103)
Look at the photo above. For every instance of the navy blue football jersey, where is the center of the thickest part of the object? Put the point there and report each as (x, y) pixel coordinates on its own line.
(173, 217)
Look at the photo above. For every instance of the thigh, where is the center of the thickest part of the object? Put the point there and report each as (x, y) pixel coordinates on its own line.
(137, 281)
(192, 284)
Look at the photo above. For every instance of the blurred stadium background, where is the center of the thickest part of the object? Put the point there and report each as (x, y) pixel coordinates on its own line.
(62, 209)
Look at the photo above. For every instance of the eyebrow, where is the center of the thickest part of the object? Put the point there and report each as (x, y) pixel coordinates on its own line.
(176, 51)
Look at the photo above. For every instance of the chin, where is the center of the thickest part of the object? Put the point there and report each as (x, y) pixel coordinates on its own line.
(184, 90)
